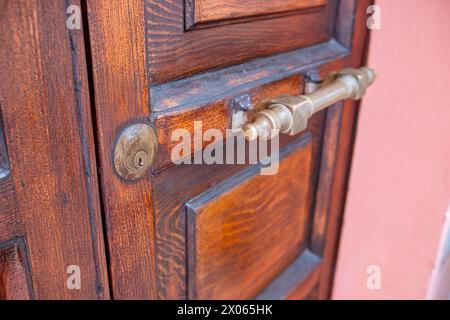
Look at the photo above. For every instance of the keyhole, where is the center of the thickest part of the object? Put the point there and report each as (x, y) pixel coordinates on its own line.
(140, 160)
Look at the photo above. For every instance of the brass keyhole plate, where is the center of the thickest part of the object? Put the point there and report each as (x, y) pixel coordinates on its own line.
(135, 151)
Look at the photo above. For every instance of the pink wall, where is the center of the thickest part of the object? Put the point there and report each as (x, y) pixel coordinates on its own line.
(400, 179)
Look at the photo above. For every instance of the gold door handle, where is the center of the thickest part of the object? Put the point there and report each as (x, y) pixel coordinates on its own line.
(290, 114)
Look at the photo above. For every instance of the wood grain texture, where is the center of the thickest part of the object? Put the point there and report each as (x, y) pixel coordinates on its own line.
(174, 53)
(206, 11)
(116, 31)
(249, 228)
(14, 272)
(47, 125)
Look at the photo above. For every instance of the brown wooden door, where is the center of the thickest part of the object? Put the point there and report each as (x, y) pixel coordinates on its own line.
(50, 222)
(222, 231)
(196, 231)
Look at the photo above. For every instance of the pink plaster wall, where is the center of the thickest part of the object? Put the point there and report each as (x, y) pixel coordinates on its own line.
(400, 179)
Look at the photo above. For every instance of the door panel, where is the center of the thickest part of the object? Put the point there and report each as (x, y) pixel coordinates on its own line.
(207, 11)
(176, 51)
(250, 228)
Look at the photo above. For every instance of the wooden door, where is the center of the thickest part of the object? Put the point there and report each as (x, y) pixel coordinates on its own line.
(50, 222)
(222, 231)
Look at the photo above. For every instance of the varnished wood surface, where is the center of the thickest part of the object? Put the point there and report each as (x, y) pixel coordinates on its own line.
(173, 53)
(204, 11)
(48, 131)
(249, 228)
(120, 88)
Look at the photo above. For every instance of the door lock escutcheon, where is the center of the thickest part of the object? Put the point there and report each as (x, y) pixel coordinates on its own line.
(135, 151)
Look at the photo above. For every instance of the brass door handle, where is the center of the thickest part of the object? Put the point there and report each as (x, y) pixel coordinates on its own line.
(290, 114)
